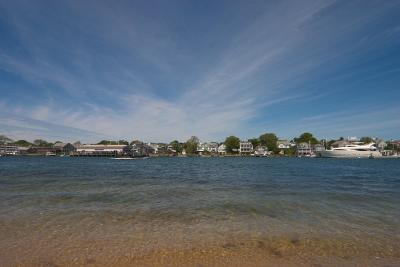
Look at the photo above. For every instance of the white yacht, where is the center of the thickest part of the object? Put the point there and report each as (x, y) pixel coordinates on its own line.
(352, 151)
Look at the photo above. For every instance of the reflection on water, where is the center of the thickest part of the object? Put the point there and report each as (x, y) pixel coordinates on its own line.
(199, 212)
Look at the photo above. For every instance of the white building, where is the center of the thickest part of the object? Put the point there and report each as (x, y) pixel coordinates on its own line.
(201, 147)
(283, 144)
(154, 146)
(212, 147)
(380, 144)
(9, 150)
(100, 150)
(222, 149)
(261, 151)
(245, 147)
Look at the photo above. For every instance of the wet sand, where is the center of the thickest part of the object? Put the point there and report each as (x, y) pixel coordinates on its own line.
(64, 248)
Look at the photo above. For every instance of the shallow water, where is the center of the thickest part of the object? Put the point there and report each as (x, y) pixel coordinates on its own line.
(199, 212)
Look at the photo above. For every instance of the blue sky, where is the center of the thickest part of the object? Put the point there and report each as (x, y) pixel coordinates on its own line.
(164, 70)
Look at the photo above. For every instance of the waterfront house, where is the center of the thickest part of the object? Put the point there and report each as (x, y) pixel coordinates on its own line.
(261, 151)
(318, 148)
(201, 147)
(65, 148)
(8, 149)
(212, 147)
(154, 146)
(140, 150)
(99, 150)
(304, 149)
(380, 145)
(162, 149)
(23, 150)
(283, 144)
(395, 144)
(222, 149)
(245, 147)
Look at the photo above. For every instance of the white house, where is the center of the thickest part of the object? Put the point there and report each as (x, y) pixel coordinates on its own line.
(245, 147)
(283, 144)
(222, 149)
(212, 147)
(261, 151)
(154, 146)
(304, 149)
(380, 144)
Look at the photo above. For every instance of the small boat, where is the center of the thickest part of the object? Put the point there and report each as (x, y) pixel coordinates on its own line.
(129, 158)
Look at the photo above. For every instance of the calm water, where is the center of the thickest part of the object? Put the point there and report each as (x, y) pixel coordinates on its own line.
(199, 211)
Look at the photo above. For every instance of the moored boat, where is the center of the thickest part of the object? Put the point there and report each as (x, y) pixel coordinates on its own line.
(352, 151)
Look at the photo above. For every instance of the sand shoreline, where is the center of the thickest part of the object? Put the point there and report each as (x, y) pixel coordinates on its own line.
(252, 253)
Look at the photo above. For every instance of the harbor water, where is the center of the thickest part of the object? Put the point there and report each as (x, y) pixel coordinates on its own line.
(230, 211)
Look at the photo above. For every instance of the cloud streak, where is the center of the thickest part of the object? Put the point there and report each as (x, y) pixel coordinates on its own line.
(111, 72)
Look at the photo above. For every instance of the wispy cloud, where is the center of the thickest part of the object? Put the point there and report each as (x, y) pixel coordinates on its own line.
(132, 75)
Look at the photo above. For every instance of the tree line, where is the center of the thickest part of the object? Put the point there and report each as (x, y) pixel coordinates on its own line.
(232, 143)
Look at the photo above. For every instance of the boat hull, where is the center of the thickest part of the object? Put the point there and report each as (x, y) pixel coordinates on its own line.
(350, 154)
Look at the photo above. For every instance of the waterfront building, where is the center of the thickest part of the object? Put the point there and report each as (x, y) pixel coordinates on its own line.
(380, 144)
(23, 150)
(395, 144)
(201, 147)
(154, 146)
(222, 149)
(318, 149)
(9, 150)
(139, 150)
(283, 144)
(212, 147)
(304, 149)
(99, 150)
(245, 147)
(261, 151)
(65, 148)
(43, 150)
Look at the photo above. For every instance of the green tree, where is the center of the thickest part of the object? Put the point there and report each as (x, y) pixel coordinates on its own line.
(307, 138)
(23, 143)
(177, 146)
(290, 151)
(255, 142)
(269, 140)
(329, 144)
(123, 142)
(232, 143)
(191, 145)
(366, 139)
(106, 142)
(41, 142)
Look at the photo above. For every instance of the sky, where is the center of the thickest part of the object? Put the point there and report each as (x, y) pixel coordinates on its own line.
(164, 70)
